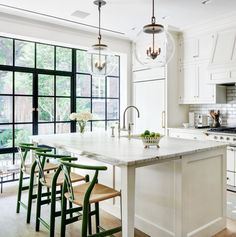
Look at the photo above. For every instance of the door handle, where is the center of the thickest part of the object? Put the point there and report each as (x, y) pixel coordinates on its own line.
(163, 119)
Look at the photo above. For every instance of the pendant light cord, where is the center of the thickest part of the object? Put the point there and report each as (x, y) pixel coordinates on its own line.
(99, 20)
(153, 13)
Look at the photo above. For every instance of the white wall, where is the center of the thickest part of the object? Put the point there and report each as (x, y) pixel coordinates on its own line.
(19, 27)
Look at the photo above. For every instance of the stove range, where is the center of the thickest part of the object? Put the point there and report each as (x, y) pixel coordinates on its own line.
(223, 130)
(223, 134)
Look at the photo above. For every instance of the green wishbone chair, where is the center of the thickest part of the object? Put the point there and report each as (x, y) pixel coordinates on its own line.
(84, 195)
(29, 169)
(52, 181)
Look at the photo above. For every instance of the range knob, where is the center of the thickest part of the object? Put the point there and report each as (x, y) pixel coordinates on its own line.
(227, 138)
(234, 139)
(215, 137)
(221, 138)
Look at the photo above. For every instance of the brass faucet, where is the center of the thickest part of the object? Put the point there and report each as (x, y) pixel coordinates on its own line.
(129, 127)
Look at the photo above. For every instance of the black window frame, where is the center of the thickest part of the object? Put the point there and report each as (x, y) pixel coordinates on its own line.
(36, 72)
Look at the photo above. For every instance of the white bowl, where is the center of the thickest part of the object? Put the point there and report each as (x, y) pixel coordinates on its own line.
(151, 141)
(186, 125)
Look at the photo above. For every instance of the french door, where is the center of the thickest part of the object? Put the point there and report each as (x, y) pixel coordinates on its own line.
(32, 103)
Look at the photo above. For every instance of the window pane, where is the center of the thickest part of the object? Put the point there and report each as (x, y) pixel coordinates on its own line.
(23, 83)
(63, 127)
(99, 87)
(63, 86)
(98, 109)
(6, 108)
(22, 133)
(6, 159)
(81, 61)
(112, 87)
(6, 136)
(6, 51)
(63, 109)
(24, 54)
(46, 84)
(99, 125)
(46, 109)
(83, 85)
(5, 82)
(115, 63)
(45, 128)
(45, 56)
(63, 59)
(112, 109)
(23, 108)
(83, 105)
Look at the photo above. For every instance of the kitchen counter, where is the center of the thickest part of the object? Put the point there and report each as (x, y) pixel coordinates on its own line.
(114, 151)
(177, 190)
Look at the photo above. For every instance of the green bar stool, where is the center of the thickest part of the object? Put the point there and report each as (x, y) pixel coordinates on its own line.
(85, 195)
(29, 169)
(52, 181)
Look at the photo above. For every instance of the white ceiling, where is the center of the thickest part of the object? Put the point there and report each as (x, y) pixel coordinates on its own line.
(124, 15)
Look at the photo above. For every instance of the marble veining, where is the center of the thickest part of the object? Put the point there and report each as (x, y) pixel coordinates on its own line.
(102, 147)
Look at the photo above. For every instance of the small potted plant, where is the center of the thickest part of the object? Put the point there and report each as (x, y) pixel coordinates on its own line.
(81, 118)
(151, 139)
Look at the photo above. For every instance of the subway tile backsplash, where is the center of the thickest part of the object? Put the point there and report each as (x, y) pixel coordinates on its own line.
(228, 111)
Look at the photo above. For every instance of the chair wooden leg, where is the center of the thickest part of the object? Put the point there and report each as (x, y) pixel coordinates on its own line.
(97, 219)
(38, 206)
(53, 211)
(63, 215)
(85, 221)
(19, 192)
(90, 222)
(30, 198)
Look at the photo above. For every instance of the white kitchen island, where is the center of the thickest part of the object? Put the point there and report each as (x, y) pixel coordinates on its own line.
(177, 190)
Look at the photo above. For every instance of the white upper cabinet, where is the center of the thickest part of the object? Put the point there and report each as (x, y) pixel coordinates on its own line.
(224, 48)
(196, 49)
(222, 65)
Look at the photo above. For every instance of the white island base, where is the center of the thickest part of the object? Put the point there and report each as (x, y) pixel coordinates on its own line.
(179, 190)
(181, 198)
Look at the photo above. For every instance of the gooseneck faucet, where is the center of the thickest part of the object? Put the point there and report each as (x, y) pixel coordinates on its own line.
(129, 107)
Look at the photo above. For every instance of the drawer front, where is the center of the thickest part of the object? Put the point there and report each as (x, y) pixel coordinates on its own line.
(191, 136)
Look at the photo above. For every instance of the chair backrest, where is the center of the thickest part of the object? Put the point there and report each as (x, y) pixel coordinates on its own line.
(40, 162)
(66, 167)
(23, 150)
(40, 158)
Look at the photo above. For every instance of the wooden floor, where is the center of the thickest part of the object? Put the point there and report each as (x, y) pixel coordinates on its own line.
(14, 225)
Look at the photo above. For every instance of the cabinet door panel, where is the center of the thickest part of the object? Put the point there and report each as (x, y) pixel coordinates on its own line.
(205, 46)
(224, 46)
(230, 160)
(189, 80)
(205, 90)
(149, 97)
(189, 50)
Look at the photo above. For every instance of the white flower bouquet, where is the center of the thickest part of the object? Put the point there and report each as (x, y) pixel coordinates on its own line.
(82, 118)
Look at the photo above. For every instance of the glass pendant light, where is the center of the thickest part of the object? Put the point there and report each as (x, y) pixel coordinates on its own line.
(100, 60)
(154, 46)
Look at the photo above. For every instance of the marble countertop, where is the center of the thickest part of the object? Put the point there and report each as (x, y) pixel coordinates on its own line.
(102, 147)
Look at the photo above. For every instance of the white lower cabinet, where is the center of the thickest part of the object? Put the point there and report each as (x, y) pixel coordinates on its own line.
(196, 135)
(231, 166)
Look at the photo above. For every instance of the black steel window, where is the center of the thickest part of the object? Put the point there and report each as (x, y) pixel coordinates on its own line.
(41, 84)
